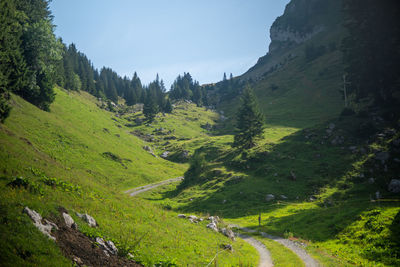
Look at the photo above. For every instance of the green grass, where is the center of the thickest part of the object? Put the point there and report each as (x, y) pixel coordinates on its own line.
(334, 225)
(82, 158)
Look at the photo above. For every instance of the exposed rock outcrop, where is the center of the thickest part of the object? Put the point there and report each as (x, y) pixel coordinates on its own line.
(45, 227)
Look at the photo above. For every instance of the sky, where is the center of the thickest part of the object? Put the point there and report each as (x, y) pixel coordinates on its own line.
(205, 37)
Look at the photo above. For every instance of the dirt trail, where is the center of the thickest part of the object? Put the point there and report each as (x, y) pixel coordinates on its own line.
(141, 189)
(265, 257)
(293, 246)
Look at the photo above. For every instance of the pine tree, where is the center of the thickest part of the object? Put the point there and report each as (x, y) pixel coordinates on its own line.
(249, 121)
(150, 108)
(13, 70)
(168, 107)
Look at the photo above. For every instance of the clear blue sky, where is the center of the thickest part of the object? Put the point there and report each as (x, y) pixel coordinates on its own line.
(169, 37)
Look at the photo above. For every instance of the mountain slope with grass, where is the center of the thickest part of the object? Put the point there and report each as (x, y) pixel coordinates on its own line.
(298, 82)
(82, 158)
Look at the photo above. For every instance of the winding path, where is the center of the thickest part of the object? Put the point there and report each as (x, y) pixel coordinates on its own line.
(293, 246)
(265, 257)
(144, 188)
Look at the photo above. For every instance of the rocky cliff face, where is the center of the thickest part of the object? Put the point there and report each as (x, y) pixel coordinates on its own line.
(300, 22)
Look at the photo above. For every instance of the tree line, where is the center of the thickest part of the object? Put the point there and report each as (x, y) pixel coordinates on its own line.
(371, 51)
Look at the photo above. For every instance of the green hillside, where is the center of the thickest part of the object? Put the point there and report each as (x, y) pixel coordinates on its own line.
(93, 158)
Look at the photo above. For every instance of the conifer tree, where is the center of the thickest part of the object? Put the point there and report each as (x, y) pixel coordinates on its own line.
(150, 108)
(168, 106)
(249, 121)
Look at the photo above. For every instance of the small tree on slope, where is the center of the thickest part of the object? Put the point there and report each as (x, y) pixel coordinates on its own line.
(249, 121)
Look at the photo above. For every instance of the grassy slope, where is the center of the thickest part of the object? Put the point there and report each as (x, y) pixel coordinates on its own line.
(68, 144)
(337, 225)
(307, 91)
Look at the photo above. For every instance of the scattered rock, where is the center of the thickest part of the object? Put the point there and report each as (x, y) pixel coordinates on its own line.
(382, 156)
(107, 246)
(77, 260)
(112, 248)
(181, 216)
(331, 126)
(37, 221)
(283, 197)
(378, 195)
(87, 218)
(371, 180)
(185, 154)
(269, 197)
(394, 186)
(212, 226)
(228, 247)
(165, 154)
(228, 233)
(214, 219)
(337, 140)
(147, 148)
(312, 198)
(192, 218)
(69, 222)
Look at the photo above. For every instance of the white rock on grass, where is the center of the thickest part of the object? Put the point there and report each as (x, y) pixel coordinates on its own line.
(181, 216)
(37, 221)
(69, 222)
(87, 218)
(229, 233)
(107, 246)
(212, 226)
(269, 197)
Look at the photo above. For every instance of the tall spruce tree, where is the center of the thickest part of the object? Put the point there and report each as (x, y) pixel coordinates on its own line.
(150, 108)
(249, 121)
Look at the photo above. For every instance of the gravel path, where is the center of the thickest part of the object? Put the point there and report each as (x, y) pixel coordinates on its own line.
(141, 189)
(265, 257)
(293, 246)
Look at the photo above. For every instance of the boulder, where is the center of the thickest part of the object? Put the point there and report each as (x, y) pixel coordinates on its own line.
(87, 218)
(394, 186)
(69, 222)
(228, 233)
(378, 195)
(283, 197)
(228, 247)
(111, 247)
(147, 148)
(45, 228)
(165, 154)
(212, 226)
(193, 217)
(269, 197)
(214, 219)
(331, 126)
(382, 156)
(371, 180)
(185, 154)
(181, 216)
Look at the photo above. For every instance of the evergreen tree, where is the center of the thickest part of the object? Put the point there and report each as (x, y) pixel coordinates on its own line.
(168, 107)
(41, 51)
(249, 121)
(150, 108)
(371, 49)
(13, 69)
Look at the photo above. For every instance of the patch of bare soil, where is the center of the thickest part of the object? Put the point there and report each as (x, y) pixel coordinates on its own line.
(83, 251)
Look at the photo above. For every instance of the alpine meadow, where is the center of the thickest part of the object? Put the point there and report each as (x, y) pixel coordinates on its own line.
(294, 162)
